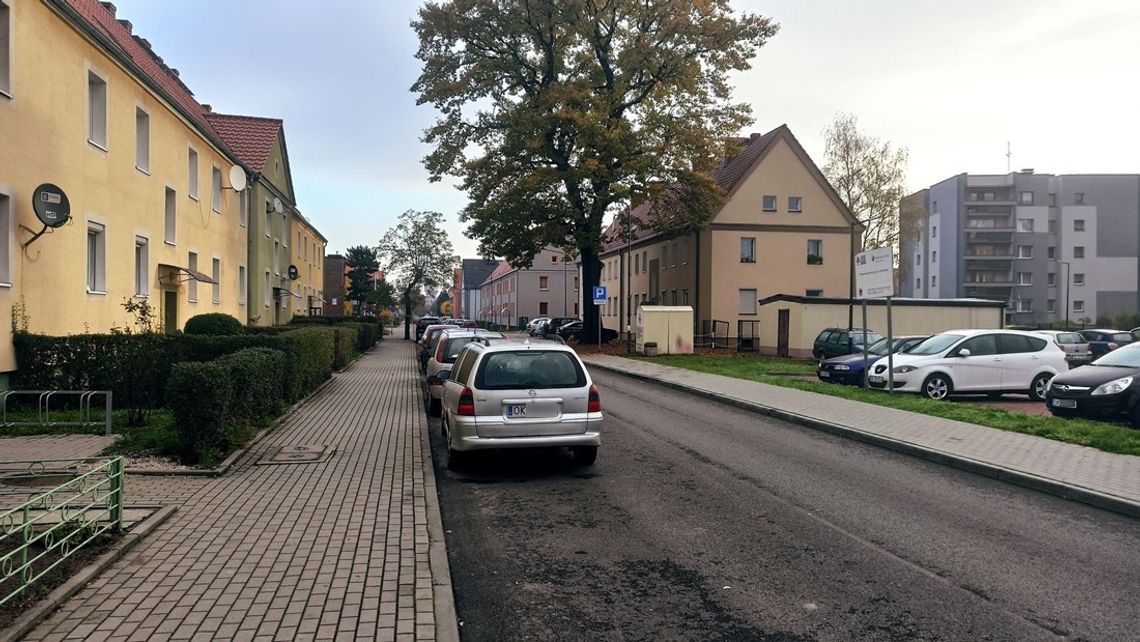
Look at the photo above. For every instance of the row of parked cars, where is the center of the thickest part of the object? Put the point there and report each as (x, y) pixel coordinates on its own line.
(1090, 373)
(567, 328)
(493, 392)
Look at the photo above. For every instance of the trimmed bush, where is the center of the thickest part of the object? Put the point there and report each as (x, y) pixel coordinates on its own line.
(213, 323)
(344, 346)
(199, 396)
(188, 347)
(312, 353)
(256, 377)
(367, 334)
(271, 330)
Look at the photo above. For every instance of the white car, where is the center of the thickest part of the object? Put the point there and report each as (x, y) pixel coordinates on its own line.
(975, 361)
(534, 324)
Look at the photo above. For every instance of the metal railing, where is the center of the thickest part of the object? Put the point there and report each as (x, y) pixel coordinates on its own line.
(714, 335)
(45, 527)
(43, 399)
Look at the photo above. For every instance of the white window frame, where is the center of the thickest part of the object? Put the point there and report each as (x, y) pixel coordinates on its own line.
(751, 256)
(1025, 225)
(1079, 305)
(1022, 200)
(268, 290)
(276, 258)
(216, 274)
(142, 140)
(1078, 225)
(1025, 278)
(1025, 255)
(798, 206)
(5, 239)
(170, 216)
(819, 248)
(193, 162)
(98, 134)
(1078, 251)
(933, 280)
(764, 203)
(243, 285)
(142, 266)
(1051, 280)
(541, 280)
(1051, 306)
(6, 48)
(243, 209)
(216, 187)
(1079, 278)
(192, 283)
(742, 310)
(96, 258)
(268, 218)
(1025, 305)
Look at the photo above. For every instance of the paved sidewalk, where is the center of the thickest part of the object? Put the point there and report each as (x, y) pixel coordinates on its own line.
(1086, 474)
(334, 550)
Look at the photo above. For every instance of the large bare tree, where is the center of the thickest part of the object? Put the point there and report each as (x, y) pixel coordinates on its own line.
(554, 113)
(869, 176)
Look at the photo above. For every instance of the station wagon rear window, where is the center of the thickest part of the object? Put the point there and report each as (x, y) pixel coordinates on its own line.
(529, 369)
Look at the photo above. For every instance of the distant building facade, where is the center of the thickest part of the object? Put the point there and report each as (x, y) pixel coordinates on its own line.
(336, 286)
(1053, 247)
(549, 288)
(469, 295)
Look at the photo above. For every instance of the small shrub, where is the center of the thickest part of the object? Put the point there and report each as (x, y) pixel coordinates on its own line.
(256, 378)
(213, 323)
(199, 396)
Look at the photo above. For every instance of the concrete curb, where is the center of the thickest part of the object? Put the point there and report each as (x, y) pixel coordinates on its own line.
(1027, 480)
(28, 621)
(446, 618)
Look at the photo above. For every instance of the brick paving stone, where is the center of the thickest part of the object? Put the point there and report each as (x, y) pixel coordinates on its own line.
(1081, 466)
(298, 551)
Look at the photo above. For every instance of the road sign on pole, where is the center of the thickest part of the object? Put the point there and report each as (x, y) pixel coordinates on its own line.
(599, 294)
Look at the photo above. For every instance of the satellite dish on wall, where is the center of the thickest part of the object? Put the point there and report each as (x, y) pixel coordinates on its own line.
(237, 179)
(278, 206)
(51, 205)
(294, 273)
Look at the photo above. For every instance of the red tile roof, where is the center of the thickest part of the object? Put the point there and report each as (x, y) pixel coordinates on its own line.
(503, 269)
(251, 137)
(730, 173)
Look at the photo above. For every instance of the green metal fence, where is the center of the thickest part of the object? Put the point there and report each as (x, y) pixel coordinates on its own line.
(50, 510)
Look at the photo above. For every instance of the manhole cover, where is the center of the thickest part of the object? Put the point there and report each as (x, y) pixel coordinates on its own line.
(300, 455)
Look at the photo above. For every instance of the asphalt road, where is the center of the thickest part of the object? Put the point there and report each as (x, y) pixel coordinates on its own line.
(705, 522)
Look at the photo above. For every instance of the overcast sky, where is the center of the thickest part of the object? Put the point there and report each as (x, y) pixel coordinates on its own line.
(950, 80)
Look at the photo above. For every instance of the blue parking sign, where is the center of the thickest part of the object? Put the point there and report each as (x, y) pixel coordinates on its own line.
(599, 294)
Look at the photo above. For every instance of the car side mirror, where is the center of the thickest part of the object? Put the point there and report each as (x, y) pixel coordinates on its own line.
(964, 352)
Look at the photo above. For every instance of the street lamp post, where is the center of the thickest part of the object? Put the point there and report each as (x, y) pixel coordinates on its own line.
(1068, 283)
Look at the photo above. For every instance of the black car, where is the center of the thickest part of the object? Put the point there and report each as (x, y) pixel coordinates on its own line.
(554, 325)
(1107, 388)
(422, 325)
(836, 342)
(1101, 342)
(573, 331)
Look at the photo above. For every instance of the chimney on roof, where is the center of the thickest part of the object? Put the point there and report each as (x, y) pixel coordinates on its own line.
(755, 135)
(175, 72)
(207, 108)
(109, 7)
(143, 41)
(127, 24)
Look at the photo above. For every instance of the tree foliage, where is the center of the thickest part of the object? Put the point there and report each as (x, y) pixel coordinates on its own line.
(418, 251)
(553, 113)
(869, 176)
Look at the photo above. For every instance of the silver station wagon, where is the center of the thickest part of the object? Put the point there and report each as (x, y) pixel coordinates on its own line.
(533, 394)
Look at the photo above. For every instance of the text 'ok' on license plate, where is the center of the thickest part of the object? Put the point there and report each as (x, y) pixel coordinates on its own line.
(516, 411)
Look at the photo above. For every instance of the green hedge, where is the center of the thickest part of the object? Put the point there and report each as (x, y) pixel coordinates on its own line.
(344, 345)
(367, 335)
(189, 347)
(256, 377)
(216, 323)
(199, 395)
(312, 355)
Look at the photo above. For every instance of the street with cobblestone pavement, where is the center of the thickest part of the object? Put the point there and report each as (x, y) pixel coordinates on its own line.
(281, 552)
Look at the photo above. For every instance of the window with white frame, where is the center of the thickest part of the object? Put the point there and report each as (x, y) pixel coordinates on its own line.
(1051, 305)
(1025, 278)
(747, 301)
(243, 209)
(268, 219)
(216, 184)
(5, 51)
(1078, 278)
(769, 203)
(96, 110)
(1078, 225)
(1051, 252)
(170, 218)
(268, 293)
(1024, 225)
(544, 283)
(243, 286)
(142, 266)
(933, 231)
(1078, 251)
(5, 237)
(216, 272)
(795, 204)
(192, 284)
(748, 249)
(192, 173)
(1051, 279)
(142, 140)
(815, 251)
(1024, 251)
(1079, 198)
(1078, 306)
(1025, 305)
(277, 258)
(934, 256)
(1025, 198)
(918, 284)
(96, 258)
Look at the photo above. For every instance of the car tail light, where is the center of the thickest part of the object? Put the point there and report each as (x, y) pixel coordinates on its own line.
(1113, 346)
(466, 403)
(595, 403)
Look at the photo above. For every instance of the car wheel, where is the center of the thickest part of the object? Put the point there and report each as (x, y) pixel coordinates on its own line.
(937, 386)
(585, 455)
(456, 459)
(1037, 388)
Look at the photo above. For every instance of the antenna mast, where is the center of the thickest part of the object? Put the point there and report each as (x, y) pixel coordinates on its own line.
(1008, 158)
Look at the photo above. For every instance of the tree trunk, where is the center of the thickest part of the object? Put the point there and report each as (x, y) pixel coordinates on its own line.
(407, 314)
(591, 275)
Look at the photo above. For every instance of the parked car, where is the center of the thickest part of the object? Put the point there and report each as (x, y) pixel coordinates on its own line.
(975, 361)
(850, 369)
(422, 323)
(1107, 388)
(1076, 347)
(426, 342)
(448, 344)
(836, 342)
(534, 324)
(1102, 342)
(520, 395)
(555, 324)
(465, 323)
(573, 332)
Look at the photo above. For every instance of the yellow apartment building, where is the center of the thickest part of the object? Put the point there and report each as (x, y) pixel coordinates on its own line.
(781, 230)
(88, 106)
(308, 257)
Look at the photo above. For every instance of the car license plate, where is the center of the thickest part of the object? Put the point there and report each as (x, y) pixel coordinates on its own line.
(824, 373)
(516, 411)
(875, 379)
(1064, 403)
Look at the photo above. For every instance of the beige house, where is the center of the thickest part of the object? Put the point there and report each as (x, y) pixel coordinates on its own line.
(781, 230)
(548, 288)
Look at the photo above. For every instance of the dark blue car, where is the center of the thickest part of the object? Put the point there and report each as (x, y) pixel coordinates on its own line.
(850, 368)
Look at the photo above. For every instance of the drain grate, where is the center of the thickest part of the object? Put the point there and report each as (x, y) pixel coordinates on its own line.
(300, 455)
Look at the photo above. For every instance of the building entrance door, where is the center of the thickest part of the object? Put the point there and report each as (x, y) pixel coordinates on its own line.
(170, 311)
(783, 325)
